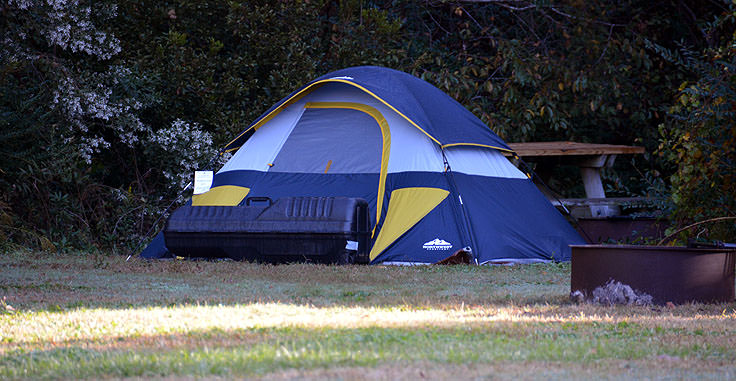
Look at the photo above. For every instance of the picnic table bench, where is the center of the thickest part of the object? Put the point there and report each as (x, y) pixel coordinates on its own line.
(590, 158)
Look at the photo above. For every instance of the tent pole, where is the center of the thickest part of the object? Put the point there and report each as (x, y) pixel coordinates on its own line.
(463, 213)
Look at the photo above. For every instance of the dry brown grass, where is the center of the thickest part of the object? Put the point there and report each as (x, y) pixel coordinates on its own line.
(507, 370)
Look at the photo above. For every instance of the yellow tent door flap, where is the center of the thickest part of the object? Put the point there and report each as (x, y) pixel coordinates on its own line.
(405, 208)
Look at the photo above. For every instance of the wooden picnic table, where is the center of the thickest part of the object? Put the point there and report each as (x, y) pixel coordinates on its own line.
(571, 149)
(590, 158)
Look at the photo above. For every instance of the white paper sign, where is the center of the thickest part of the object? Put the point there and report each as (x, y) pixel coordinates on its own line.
(202, 181)
(351, 245)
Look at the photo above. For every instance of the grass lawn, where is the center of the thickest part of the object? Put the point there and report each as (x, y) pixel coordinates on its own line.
(85, 316)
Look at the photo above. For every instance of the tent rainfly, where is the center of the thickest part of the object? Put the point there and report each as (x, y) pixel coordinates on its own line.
(433, 174)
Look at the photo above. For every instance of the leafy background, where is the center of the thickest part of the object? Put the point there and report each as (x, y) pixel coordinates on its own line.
(106, 108)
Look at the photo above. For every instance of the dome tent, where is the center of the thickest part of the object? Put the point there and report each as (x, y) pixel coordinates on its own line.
(433, 174)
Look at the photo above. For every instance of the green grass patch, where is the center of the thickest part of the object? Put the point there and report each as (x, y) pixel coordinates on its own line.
(302, 348)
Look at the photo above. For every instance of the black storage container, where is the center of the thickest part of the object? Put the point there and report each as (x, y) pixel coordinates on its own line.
(291, 229)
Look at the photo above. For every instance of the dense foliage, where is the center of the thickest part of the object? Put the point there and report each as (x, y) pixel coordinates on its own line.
(700, 137)
(107, 107)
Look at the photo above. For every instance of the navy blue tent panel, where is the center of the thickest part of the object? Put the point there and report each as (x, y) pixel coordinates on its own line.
(433, 239)
(440, 116)
(507, 218)
(156, 249)
(511, 219)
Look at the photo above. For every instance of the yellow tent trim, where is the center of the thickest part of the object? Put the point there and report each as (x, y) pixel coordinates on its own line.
(311, 87)
(385, 133)
(406, 207)
(225, 195)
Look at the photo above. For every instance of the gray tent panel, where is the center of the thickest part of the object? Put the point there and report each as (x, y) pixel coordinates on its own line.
(332, 141)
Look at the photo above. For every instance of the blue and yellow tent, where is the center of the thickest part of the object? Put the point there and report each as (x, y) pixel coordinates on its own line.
(433, 174)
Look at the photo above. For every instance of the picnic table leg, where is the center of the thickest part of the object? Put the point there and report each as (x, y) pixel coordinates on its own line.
(594, 189)
(591, 172)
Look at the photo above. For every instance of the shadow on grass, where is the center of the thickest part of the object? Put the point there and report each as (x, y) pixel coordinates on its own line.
(33, 281)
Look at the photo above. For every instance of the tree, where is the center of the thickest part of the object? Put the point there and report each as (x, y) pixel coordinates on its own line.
(699, 138)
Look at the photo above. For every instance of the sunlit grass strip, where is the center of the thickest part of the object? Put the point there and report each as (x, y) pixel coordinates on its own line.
(326, 347)
(95, 324)
(229, 327)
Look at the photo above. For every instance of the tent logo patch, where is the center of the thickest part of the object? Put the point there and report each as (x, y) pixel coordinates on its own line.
(437, 244)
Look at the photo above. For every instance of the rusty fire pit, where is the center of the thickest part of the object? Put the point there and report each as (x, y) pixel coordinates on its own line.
(667, 274)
